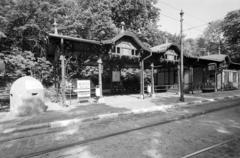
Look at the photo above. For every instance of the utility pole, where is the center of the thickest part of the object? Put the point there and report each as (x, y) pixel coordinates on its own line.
(181, 58)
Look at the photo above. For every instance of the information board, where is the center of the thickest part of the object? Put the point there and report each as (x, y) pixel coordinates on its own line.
(116, 76)
(83, 88)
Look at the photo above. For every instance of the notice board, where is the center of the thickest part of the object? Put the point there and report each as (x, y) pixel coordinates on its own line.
(83, 88)
(116, 76)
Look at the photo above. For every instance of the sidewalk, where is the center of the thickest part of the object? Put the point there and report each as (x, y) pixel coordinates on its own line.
(58, 116)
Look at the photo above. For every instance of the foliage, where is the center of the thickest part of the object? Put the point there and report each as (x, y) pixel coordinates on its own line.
(88, 19)
(135, 14)
(213, 35)
(201, 45)
(190, 47)
(100, 19)
(23, 41)
(21, 63)
(231, 28)
(25, 23)
(131, 79)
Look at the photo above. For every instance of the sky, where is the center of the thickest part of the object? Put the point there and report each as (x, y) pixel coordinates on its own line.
(197, 14)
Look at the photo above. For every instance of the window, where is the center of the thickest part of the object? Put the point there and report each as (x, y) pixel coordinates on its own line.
(133, 52)
(234, 76)
(226, 76)
(113, 50)
(118, 50)
(137, 52)
(211, 67)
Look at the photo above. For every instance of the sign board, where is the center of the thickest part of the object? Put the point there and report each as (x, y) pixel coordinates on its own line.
(97, 92)
(83, 88)
(116, 76)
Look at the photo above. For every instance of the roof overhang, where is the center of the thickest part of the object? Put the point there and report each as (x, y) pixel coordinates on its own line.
(74, 39)
(216, 57)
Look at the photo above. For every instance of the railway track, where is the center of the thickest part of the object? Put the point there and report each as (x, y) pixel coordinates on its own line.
(212, 147)
(98, 138)
(179, 118)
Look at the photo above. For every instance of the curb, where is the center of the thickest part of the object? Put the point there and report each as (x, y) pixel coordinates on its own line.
(65, 123)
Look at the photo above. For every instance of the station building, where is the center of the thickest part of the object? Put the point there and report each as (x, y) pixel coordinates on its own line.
(127, 52)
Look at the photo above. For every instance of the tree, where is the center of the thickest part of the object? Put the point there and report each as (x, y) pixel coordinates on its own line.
(89, 19)
(100, 19)
(26, 22)
(201, 46)
(190, 47)
(213, 35)
(136, 14)
(231, 28)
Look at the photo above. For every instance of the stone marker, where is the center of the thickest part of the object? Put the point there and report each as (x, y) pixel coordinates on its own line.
(27, 97)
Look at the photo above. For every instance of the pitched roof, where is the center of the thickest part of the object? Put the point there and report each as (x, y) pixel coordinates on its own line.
(164, 47)
(128, 34)
(215, 57)
(74, 39)
(221, 58)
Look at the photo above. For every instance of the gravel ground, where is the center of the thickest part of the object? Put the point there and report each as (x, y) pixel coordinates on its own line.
(171, 140)
(81, 111)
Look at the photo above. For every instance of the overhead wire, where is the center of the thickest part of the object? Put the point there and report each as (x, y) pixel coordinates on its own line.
(188, 29)
(195, 27)
(175, 19)
(177, 9)
(170, 17)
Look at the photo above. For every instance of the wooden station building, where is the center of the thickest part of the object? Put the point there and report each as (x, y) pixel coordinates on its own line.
(126, 51)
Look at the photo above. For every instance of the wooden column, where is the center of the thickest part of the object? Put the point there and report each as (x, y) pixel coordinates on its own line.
(191, 78)
(152, 77)
(63, 86)
(100, 71)
(142, 80)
